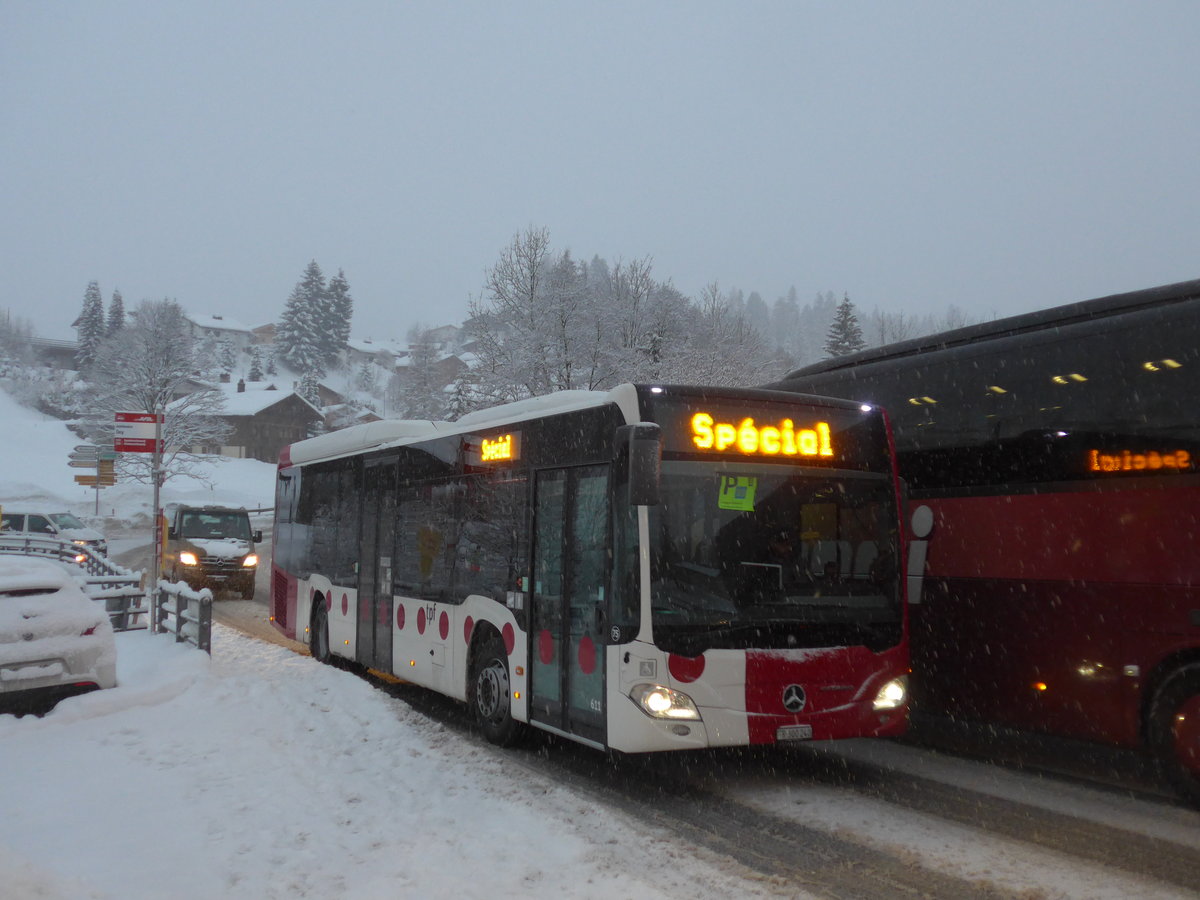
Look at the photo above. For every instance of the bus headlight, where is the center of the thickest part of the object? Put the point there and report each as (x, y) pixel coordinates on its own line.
(250, 561)
(660, 702)
(892, 695)
(188, 559)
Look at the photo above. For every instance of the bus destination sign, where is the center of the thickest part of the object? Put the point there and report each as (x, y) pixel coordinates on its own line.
(501, 448)
(748, 437)
(1110, 463)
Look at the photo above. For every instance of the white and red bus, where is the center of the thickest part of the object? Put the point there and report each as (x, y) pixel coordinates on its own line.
(1059, 452)
(648, 568)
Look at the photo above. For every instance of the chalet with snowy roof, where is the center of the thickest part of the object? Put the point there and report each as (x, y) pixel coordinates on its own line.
(385, 353)
(265, 419)
(219, 328)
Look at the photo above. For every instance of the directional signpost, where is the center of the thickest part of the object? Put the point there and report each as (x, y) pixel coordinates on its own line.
(142, 433)
(102, 459)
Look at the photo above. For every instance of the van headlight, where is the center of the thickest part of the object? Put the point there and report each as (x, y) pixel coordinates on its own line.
(187, 558)
(660, 702)
(250, 561)
(892, 695)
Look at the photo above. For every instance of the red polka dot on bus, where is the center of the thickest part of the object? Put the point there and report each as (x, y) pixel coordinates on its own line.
(468, 627)
(444, 625)
(546, 647)
(328, 602)
(510, 638)
(421, 620)
(345, 604)
(685, 668)
(587, 655)
(400, 616)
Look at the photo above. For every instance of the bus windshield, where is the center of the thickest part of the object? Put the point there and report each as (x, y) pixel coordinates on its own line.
(768, 556)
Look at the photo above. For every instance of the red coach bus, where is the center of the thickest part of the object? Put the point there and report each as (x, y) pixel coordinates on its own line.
(648, 568)
(1059, 452)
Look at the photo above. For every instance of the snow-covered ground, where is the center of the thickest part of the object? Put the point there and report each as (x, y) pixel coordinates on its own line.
(261, 774)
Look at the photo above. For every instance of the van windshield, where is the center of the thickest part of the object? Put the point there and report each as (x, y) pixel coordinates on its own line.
(216, 524)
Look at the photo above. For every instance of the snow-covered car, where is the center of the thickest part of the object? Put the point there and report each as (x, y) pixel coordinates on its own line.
(212, 547)
(46, 522)
(55, 641)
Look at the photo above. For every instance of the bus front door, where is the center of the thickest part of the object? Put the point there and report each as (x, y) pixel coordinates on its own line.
(376, 546)
(570, 576)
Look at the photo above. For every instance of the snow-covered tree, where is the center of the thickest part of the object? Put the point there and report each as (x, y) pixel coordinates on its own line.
(341, 309)
(226, 355)
(256, 364)
(148, 367)
(845, 335)
(91, 327)
(722, 349)
(366, 380)
(116, 314)
(418, 391)
(309, 387)
(301, 337)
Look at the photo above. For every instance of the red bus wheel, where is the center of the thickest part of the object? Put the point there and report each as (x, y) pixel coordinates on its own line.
(1175, 731)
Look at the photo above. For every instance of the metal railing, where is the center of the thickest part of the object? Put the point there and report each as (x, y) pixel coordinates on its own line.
(185, 613)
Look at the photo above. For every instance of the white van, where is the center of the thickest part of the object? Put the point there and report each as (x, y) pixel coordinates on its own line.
(56, 524)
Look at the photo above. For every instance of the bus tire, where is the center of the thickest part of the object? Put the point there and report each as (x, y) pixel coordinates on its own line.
(1175, 731)
(491, 693)
(318, 633)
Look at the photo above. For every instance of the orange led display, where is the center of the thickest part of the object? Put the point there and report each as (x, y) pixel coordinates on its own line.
(1136, 461)
(499, 449)
(749, 438)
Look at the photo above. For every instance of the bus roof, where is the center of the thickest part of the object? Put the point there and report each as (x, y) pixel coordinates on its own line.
(388, 432)
(1057, 317)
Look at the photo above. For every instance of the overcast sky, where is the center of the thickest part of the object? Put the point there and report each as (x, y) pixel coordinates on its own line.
(999, 156)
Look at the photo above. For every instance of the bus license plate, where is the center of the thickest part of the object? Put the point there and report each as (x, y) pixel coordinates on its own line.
(794, 733)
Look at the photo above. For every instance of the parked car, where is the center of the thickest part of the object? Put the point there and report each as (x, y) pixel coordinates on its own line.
(55, 524)
(212, 547)
(55, 641)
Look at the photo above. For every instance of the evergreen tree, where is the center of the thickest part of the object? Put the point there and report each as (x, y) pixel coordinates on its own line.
(309, 387)
(367, 379)
(226, 355)
(341, 308)
(256, 365)
(302, 336)
(271, 369)
(845, 336)
(116, 314)
(91, 327)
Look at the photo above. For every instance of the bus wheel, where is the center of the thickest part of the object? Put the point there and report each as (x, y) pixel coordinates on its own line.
(318, 634)
(1175, 731)
(491, 697)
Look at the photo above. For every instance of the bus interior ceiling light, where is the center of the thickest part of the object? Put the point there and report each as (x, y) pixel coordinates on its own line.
(663, 703)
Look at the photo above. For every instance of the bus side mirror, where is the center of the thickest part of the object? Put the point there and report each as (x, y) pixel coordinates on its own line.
(643, 443)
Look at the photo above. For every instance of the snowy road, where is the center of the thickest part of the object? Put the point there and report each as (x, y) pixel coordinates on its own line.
(876, 819)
